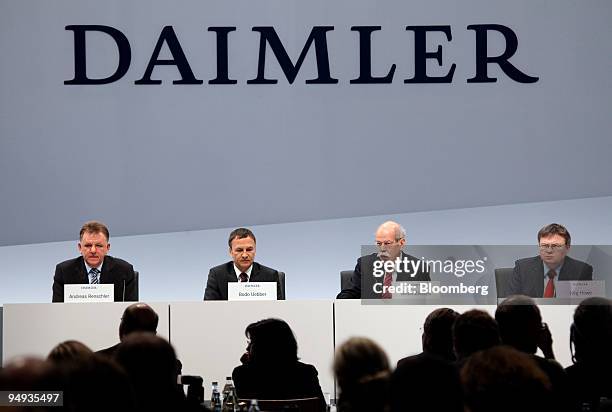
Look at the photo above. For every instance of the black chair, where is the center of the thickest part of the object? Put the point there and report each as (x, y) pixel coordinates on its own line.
(136, 284)
(281, 279)
(502, 281)
(345, 279)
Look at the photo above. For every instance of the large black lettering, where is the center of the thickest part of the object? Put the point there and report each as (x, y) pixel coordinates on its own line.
(318, 36)
(178, 59)
(222, 56)
(421, 55)
(80, 59)
(482, 59)
(365, 58)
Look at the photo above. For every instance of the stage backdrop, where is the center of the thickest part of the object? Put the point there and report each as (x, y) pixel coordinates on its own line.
(160, 117)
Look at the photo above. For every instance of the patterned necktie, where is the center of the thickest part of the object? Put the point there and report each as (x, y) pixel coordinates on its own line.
(387, 281)
(94, 276)
(244, 277)
(549, 291)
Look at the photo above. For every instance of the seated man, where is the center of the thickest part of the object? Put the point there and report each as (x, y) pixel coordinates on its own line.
(390, 239)
(537, 276)
(95, 266)
(138, 317)
(242, 268)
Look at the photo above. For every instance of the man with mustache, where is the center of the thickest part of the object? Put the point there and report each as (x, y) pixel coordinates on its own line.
(390, 239)
(242, 268)
(95, 266)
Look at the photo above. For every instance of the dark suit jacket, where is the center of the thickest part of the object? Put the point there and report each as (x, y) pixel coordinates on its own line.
(219, 276)
(364, 273)
(296, 381)
(528, 276)
(114, 270)
(425, 383)
(112, 352)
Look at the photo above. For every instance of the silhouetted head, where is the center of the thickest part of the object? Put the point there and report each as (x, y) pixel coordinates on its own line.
(138, 317)
(437, 335)
(68, 351)
(363, 374)
(503, 379)
(591, 332)
(150, 362)
(474, 330)
(520, 323)
(271, 341)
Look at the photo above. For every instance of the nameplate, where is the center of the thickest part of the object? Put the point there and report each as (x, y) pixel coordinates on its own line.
(251, 291)
(85, 293)
(580, 288)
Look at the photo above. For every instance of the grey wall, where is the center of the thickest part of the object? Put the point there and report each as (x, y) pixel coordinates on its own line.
(168, 158)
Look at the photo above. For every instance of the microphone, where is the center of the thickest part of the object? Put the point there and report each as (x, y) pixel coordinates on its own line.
(123, 290)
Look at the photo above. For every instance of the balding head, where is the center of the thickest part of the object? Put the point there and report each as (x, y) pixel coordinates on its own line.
(138, 317)
(390, 238)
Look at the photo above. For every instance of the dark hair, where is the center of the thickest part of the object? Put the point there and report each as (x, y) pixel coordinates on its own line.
(591, 332)
(363, 374)
(520, 322)
(150, 363)
(240, 233)
(94, 227)
(138, 317)
(555, 229)
(272, 342)
(474, 330)
(503, 379)
(69, 350)
(437, 333)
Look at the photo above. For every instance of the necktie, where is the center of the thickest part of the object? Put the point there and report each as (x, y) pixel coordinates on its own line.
(549, 291)
(94, 276)
(243, 277)
(387, 281)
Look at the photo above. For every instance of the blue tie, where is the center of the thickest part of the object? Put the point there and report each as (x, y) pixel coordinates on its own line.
(94, 276)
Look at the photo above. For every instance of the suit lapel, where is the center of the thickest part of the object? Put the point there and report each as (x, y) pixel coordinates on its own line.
(567, 270)
(81, 271)
(107, 269)
(254, 273)
(537, 276)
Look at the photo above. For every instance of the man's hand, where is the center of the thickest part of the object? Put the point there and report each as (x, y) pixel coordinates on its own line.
(545, 342)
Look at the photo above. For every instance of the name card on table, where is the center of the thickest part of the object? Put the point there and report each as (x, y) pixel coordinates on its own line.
(86, 293)
(251, 291)
(580, 288)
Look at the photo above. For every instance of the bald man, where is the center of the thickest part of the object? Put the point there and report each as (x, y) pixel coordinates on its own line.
(138, 317)
(390, 239)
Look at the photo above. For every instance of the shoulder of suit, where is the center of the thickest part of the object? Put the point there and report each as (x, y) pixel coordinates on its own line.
(70, 262)
(222, 268)
(529, 260)
(261, 268)
(114, 262)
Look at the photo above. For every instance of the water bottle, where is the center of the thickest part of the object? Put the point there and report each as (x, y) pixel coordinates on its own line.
(230, 400)
(215, 400)
(254, 406)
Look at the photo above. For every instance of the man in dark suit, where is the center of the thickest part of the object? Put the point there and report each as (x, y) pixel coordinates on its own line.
(138, 317)
(95, 266)
(537, 276)
(242, 268)
(366, 282)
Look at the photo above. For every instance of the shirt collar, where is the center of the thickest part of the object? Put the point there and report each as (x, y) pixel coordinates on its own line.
(557, 270)
(248, 271)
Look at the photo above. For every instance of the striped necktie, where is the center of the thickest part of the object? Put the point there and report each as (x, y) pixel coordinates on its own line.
(94, 279)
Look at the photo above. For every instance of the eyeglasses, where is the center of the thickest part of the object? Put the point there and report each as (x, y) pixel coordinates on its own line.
(387, 243)
(546, 246)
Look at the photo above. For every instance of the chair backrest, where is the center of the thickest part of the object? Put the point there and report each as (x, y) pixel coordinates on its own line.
(345, 279)
(502, 281)
(136, 284)
(281, 279)
(289, 405)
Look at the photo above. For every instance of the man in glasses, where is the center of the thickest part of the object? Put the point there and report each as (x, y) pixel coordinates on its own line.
(390, 239)
(537, 276)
